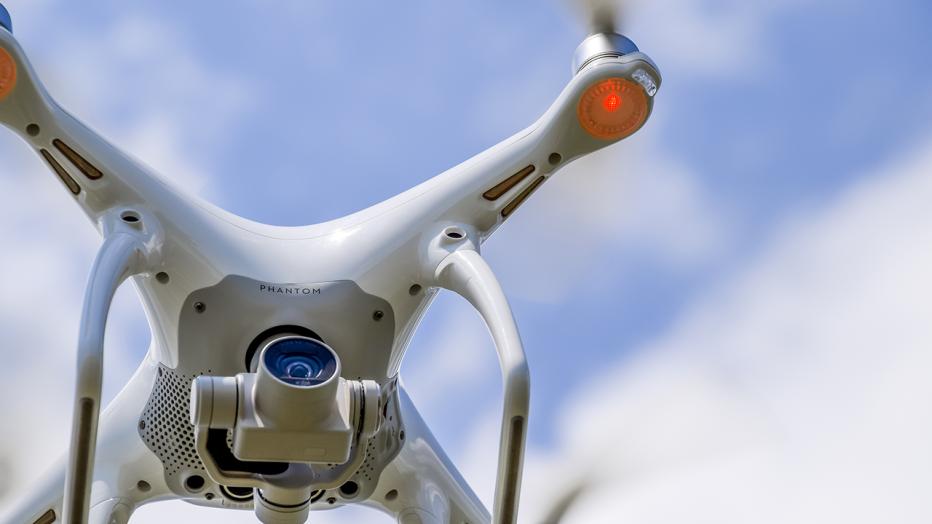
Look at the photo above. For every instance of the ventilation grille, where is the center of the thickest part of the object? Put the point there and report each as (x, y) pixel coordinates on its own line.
(367, 470)
(166, 425)
(381, 447)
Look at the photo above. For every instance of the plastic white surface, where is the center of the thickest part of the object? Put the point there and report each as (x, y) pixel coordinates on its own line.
(384, 249)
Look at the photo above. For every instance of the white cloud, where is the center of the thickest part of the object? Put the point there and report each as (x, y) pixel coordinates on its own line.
(457, 355)
(144, 89)
(797, 392)
(626, 199)
(705, 38)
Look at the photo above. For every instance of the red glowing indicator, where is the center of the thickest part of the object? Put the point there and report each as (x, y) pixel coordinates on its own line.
(612, 102)
(7, 73)
(613, 108)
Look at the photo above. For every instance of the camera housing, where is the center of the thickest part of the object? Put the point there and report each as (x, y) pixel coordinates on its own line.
(294, 408)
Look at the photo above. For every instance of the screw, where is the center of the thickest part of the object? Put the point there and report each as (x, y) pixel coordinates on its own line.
(377, 316)
(200, 307)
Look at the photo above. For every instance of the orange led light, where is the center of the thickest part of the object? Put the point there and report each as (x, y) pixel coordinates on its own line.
(612, 109)
(7, 73)
(611, 102)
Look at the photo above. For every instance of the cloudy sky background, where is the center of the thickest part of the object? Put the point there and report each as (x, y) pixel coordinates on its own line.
(726, 315)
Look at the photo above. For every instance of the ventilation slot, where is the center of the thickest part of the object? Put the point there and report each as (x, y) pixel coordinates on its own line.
(60, 171)
(513, 469)
(510, 208)
(79, 161)
(496, 192)
(47, 518)
(82, 470)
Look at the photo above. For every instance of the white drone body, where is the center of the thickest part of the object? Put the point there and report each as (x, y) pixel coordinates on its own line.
(230, 301)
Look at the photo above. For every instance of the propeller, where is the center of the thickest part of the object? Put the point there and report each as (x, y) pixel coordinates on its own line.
(562, 504)
(602, 16)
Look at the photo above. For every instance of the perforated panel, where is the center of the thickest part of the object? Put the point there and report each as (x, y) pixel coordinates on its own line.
(166, 426)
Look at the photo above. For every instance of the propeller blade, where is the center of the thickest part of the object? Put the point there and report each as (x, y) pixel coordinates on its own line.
(602, 16)
(562, 504)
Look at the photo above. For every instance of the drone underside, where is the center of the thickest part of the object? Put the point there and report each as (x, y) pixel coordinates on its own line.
(272, 379)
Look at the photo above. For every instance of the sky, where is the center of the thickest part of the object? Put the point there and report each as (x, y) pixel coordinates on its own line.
(725, 314)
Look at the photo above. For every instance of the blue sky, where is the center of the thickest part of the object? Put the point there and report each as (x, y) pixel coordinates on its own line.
(772, 118)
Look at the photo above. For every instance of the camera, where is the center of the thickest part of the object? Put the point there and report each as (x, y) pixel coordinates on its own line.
(297, 425)
(295, 407)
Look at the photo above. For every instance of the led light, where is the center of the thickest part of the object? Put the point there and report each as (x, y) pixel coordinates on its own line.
(7, 73)
(612, 109)
(611, 102)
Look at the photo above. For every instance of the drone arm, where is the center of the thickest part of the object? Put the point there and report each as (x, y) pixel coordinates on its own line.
(97, 174)
(488, 189)
(422, 485)
(466, 273)
(119, 256)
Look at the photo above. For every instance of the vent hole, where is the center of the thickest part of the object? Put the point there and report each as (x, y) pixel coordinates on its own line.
(391, 495)
(454, 233)
(349, 489)
(194, 483)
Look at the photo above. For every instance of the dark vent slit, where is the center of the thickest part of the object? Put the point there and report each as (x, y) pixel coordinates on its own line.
(79, 161)
(47, 518)
(496, 192)
(510, 208)
(60, 171)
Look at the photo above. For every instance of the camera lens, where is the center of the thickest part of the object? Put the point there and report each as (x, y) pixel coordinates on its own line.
(300, 361)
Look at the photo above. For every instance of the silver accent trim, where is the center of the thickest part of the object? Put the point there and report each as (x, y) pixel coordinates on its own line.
(601, 45)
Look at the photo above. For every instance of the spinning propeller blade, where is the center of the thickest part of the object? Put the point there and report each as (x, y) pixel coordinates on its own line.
(602, 16)
(567, 500)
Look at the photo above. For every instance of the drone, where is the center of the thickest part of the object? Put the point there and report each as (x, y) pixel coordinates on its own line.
(272, 380)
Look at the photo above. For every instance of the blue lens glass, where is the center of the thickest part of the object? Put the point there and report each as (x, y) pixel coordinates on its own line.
(300, 362)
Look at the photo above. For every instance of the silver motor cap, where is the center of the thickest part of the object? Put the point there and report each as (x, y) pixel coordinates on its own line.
(601, 45)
